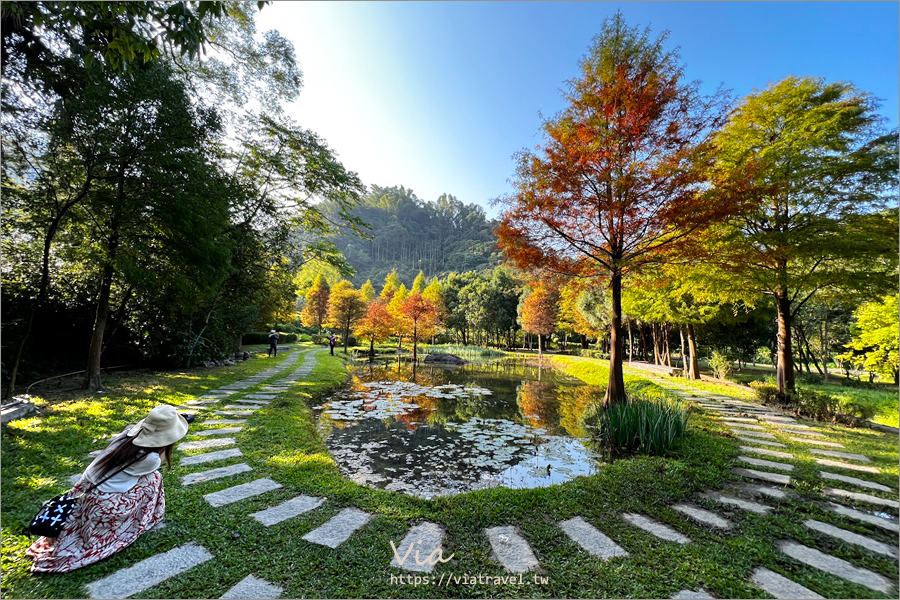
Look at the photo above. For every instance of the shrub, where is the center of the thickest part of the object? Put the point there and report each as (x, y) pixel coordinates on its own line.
(642, 425)
(766, 392)
(720, 364)
(817, 405)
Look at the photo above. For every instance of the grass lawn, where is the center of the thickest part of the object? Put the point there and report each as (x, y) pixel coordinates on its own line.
(281, 441)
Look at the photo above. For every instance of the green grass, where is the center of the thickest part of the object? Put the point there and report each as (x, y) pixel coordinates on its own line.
(281, 441)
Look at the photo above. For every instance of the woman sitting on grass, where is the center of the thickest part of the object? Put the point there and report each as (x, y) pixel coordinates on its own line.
(121, 496)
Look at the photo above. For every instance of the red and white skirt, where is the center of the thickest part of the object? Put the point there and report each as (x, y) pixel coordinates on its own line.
(101, 525)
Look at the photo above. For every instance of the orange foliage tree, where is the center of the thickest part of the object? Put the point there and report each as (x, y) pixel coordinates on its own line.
(315, 313)
(377, 325)
(539, 314)
(620, 178)
(345, 307)
(422, 315)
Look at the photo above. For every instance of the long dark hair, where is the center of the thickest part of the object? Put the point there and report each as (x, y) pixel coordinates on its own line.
(128, 453)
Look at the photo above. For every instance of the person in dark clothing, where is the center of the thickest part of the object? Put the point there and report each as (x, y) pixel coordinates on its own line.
(273, 343)
(331, 342)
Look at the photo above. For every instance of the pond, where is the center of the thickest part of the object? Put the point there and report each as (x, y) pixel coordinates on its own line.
(429, 431)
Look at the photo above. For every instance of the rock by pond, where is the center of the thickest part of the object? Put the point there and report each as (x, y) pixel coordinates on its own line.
(443, 358)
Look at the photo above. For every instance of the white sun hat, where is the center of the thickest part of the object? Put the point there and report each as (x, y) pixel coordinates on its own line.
(162, 426)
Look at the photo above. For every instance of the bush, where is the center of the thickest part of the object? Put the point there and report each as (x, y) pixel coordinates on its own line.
(590, 353)
(720, 364)
(642, 425)
(262, 337)
(817, 405)
(767, 393)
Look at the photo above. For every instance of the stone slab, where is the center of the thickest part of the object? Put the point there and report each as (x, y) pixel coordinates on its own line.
(760, 442)
(753, 434)
(199, 459)
(769, 464)
(864, 517)
(774, 419)
(705, 517)
(221, 392)
(742, 420)
(849, 466)
(201, 444)
(766, 452)
(16, 410)
(252, 587)
(835, 566)
(336, 530)
(808, 433)
(241, 492)
(511, 550)
(779, 586)
(762, 490)
(744, 426)
(754, 507)
(852, 538)
(217, 473)
(261, 396)
(816, 442)
(791, 426)
(859, 497)
(240, 407)
(219, 431)
(853, 480)
(588, 537)
(203, 401)
(763, 476)
(252, 402)
(149, 572)
(845, 455)
(287, 510)
(422, 540)
(658, 529)
(213, 422)
(700, 594)
(234, 413)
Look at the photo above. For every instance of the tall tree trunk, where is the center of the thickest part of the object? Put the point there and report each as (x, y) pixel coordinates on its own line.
(643, 343)
(692, 348)
(784, 372)
(667, 349)
(630, 342)
(93, 380)
(615, 390)
(415, 340)
(685, 367)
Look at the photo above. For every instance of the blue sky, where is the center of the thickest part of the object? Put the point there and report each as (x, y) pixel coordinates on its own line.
(439, 96)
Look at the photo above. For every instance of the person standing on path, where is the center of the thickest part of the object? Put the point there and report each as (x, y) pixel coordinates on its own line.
(331, 342)
(120, 496)
(273, 343)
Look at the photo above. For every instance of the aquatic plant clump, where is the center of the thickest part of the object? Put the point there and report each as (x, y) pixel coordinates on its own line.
(642, 424)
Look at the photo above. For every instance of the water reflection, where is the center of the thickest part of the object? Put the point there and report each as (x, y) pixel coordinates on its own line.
(431, 431)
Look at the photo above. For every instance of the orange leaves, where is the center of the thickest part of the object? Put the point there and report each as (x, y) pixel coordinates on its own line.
(378, 323)
(539, 312)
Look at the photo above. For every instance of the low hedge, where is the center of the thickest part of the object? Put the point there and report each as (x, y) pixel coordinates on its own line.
(262, 337)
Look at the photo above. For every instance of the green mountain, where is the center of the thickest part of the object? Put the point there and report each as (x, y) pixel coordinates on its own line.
(411, 234)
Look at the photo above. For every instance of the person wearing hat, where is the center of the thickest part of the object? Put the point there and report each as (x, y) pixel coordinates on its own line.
(121, 495)
(273, 343)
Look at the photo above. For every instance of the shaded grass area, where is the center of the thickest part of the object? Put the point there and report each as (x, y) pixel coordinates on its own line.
(281, 441)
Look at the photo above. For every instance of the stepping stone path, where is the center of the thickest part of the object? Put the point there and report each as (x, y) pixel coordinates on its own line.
(589, 538)
(340, 527)
(780, 586)
(422, 541)
(252, 587)
(511, 550)
(663, 532)
(149, 572)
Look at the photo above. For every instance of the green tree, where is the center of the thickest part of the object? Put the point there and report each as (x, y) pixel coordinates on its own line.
(816, 166)
(345, 308)
(875, 346)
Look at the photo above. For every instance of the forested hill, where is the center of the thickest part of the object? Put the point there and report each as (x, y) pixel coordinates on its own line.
(411, 234)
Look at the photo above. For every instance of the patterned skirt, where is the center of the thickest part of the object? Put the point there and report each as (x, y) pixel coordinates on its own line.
(101, 525)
